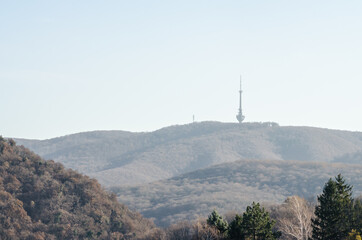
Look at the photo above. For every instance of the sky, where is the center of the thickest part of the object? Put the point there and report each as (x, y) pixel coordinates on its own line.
(74, 66)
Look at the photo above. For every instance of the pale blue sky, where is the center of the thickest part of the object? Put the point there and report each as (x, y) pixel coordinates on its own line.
(72, 66)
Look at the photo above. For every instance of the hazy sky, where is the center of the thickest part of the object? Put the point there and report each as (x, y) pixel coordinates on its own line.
(72, 66)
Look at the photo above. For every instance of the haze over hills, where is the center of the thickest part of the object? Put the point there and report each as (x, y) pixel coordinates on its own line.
(233, 186)
(124, 158)
(181, 172)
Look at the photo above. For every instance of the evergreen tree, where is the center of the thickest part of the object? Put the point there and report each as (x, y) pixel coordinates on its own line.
(333, 213)
(217, 221)
(357, 215)
(235, 228)
(257, 224)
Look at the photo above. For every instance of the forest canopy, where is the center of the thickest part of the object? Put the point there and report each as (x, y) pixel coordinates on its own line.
(42, 200)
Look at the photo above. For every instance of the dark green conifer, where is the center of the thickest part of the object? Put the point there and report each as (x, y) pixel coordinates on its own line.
(257, 223)
(357, 215)
(217, 221)
(235, 228)
(333, 213)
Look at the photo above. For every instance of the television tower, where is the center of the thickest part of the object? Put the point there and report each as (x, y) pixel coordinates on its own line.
(240, 117)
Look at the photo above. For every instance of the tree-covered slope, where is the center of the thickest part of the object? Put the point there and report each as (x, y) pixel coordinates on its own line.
(42, 200)
(233, 186)
(119, 158)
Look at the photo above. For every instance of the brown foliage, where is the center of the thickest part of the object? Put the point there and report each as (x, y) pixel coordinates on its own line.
(43, 200)
(198, 230)
(203, 231)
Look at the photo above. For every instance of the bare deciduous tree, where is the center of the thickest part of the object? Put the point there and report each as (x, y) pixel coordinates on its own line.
(203, 231)
(180, 231)
(198, 230)
(294, 218)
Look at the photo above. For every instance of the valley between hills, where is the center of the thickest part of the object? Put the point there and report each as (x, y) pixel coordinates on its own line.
(183, 172)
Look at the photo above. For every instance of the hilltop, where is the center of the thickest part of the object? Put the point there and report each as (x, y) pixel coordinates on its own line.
(118, 158)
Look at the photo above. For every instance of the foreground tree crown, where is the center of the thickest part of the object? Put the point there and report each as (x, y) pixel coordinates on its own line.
(334, 212)
(254, 224)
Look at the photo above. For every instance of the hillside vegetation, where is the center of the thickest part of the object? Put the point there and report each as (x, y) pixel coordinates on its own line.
(118, 158)
(231, 187)
(43, 200)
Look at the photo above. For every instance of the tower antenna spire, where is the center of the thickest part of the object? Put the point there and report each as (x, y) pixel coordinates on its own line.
(240, 117)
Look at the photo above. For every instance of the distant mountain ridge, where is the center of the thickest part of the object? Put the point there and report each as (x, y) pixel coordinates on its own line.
(119, 158)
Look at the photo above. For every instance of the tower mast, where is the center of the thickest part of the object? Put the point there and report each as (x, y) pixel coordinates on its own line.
(240, 116)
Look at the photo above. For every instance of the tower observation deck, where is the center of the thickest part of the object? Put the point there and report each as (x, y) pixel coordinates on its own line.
(240, 117)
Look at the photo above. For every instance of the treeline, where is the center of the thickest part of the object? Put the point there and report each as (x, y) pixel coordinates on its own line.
(336, 216)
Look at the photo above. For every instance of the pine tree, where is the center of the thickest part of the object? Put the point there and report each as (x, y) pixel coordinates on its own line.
(257, 224)
(357, 215)
(217, 221)
(333, 213)
(235, 228)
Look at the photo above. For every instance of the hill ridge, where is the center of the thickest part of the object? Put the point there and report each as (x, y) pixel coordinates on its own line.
(233, 186)
(119, 157)
(42, 200)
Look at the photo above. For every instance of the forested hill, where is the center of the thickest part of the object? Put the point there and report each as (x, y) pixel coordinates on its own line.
(233, 186)
(119, 158)
(42, 200)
